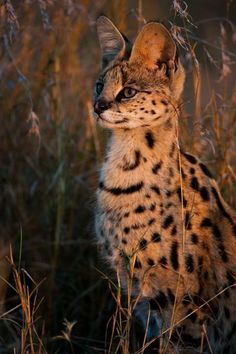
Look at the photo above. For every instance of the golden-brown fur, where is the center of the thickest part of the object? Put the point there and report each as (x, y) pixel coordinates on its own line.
(159, 207)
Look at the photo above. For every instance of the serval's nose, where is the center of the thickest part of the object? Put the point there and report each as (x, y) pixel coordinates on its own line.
(101, 106)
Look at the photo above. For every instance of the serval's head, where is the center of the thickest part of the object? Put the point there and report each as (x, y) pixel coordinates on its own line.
(139, 85)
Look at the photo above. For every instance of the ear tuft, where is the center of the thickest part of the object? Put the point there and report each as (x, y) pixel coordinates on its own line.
(111, 40)
(153, 46)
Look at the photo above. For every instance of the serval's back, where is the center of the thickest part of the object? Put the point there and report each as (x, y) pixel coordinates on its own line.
(159, 208)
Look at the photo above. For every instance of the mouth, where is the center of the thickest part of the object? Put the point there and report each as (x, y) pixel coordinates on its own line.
(99, 117)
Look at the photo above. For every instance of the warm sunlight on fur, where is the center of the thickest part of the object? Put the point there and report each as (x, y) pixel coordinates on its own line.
(161, 221)
(141, 88)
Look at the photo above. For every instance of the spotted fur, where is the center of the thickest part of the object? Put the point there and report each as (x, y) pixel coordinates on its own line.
(157, 205)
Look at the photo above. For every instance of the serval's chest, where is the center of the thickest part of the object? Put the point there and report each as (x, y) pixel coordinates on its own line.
(140, 207)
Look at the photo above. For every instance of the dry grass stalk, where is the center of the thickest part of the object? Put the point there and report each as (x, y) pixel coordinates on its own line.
(30, 341)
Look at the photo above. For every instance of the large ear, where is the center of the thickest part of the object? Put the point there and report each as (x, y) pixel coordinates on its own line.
(154, 46)
(111, 40)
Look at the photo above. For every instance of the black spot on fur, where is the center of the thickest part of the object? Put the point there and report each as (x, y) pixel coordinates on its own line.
(137, 264)
(167, 222)
(150, 262)
(189, 263)
(118, 191)
(150, 139)
(156, 237)
(157, 167)
(143, 244)
(206, 222)
(152, 111)
(174, 230)
(140, 209)
(152, 207)
(163, 261)
(156, 189)
(126, 215)
(154, 102)
(204, 194)
(190, 158)
(174, 255)
(135, 164)
(126, 230)
(183, 174)
(223, 253)
(151, 221)
(168, 205)
(205, 170)
(194, 238)
(194, 183)
(180, 169)
(181, 196)
(186, 299)
(188, 224)
(164, 102)
(137, 226)
(218, 237)
(124, 241)
(192, 171)
(216, 232)
(168, 194)
(160, 301)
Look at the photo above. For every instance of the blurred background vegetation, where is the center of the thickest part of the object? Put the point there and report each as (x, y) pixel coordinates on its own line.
(53, 296)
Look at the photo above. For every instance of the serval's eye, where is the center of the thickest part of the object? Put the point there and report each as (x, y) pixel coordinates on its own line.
(99, 87)
(129, 92)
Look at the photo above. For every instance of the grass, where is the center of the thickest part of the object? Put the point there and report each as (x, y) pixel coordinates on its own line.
(60, 296)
